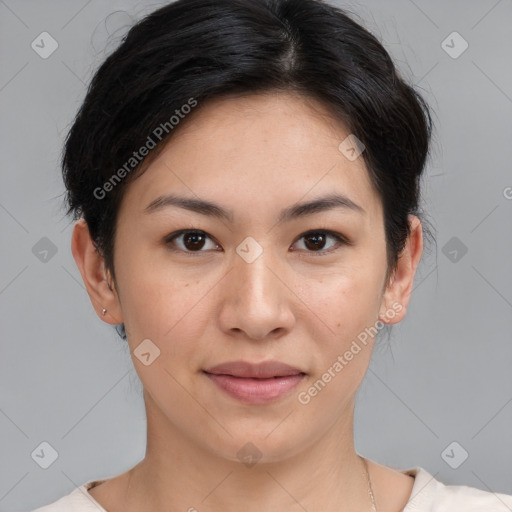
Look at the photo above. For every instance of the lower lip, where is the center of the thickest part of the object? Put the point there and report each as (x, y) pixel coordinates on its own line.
(255, 391)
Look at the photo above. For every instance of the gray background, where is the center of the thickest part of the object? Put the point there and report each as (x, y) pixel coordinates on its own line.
(445, 376)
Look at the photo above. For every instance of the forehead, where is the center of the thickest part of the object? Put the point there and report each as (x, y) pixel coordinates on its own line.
(248, 152)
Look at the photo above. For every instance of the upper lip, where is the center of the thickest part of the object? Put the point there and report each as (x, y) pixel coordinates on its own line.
(262, 370)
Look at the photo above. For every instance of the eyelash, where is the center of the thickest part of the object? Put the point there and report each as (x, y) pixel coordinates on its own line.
(337, 236)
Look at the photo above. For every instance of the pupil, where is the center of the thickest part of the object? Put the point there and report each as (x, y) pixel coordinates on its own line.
(316, 237)
(195, 244)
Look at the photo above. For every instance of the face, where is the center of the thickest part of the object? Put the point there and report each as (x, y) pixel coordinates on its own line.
(254, 285)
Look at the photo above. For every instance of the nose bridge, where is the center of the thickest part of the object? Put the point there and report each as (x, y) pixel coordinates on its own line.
(252, 269)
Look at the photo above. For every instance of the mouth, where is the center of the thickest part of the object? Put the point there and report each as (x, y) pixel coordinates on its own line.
(263, 370)
(255, 390)
(253, 383)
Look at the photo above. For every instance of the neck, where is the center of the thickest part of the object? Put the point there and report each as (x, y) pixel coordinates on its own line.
(179, 474)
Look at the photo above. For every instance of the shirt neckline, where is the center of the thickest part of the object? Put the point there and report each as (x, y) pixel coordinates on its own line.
(424, 484)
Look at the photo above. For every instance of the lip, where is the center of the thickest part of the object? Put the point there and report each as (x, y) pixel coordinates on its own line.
(255, 383)
(262, 370)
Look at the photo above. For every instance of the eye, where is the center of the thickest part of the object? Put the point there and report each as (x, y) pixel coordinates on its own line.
(316, 240)
(193, 240)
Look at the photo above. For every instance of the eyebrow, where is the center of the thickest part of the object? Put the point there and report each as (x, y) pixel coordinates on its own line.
(295, 211)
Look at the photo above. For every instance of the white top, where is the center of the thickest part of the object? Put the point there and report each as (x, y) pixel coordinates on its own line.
(428, 495)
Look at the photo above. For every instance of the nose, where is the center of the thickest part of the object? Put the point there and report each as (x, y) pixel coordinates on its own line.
(257, 301)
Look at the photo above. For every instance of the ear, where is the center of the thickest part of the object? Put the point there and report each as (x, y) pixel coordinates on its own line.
(97, 280)
(398, 291)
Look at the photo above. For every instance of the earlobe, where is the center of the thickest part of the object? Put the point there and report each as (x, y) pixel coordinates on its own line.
(96, 279)
(398, 291)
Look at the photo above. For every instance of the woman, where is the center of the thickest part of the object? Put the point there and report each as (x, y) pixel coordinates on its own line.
(245, 175)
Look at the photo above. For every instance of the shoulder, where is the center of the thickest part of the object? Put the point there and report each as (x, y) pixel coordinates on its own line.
(79, 500)
(429, 494)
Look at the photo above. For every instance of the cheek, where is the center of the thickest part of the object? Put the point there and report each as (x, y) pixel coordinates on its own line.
(342, 314)
(344, 302)
(157, 300)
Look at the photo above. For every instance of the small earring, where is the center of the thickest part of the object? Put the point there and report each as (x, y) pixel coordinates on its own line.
(103, 311)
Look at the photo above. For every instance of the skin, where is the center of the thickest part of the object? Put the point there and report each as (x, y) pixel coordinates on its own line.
(254, 155)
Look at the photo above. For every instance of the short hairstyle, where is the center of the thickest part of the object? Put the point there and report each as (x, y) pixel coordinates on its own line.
(190, 51)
